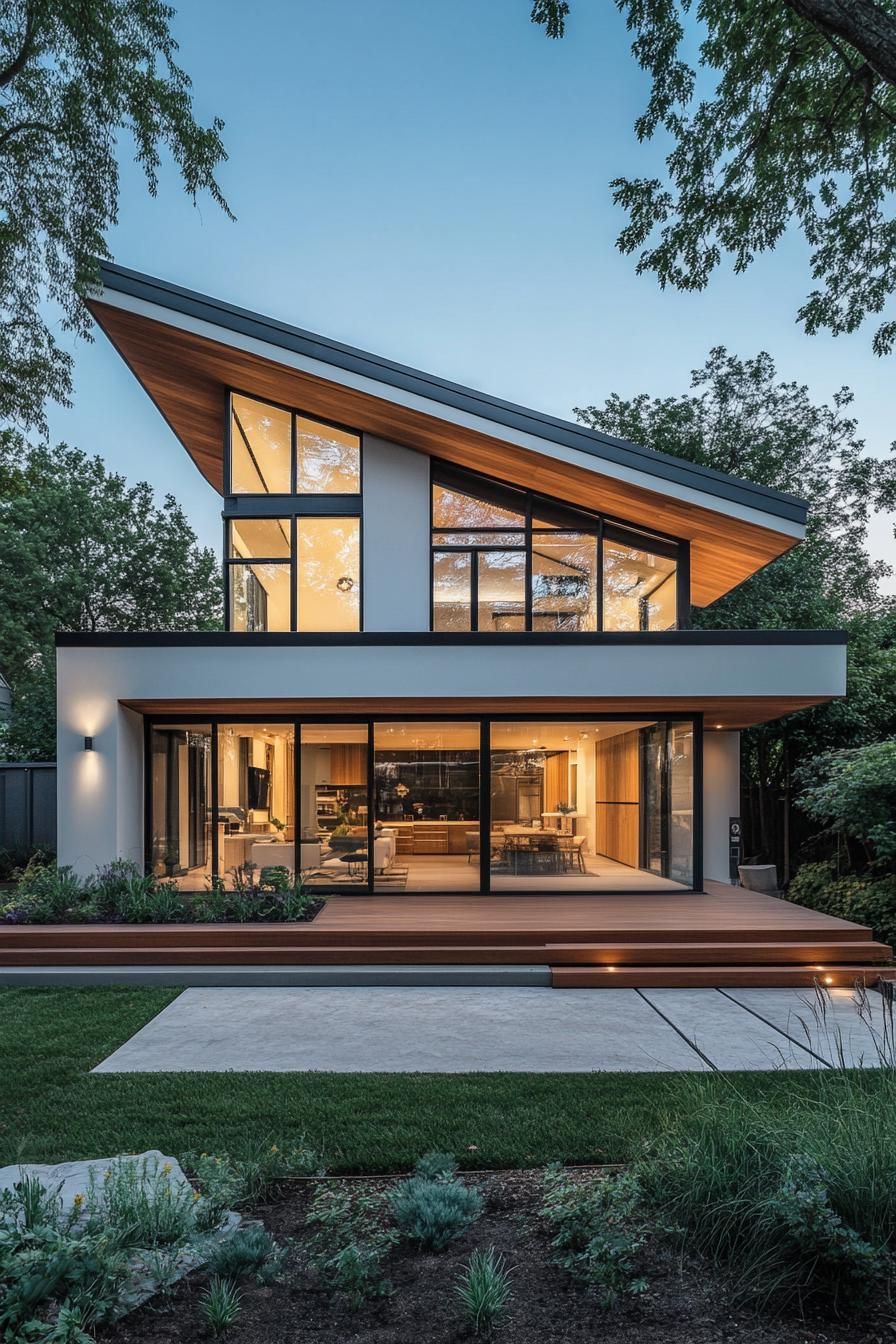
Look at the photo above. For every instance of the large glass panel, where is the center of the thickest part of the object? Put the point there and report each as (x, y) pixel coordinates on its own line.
(426, 807)
(259, 596)
(328, 460)
(564, 581)
(329, 574)
(501, 590)
(453, 508)
(639, 588)
(256, 799)
(180, 804)
(260, 447)
(451, 590)
(569, 802)
(681, 802)
(333, 805)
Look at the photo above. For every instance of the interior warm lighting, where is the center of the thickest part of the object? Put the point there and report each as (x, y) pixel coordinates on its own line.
(829, 979)
(718, 725)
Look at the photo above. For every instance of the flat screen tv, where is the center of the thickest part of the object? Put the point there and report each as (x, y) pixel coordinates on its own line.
(259, 787)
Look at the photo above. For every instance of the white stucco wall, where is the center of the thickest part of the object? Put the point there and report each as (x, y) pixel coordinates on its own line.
(101, 792)
(396, 537)
(721, 799)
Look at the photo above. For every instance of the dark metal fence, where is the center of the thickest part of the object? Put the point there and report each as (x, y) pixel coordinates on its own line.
(27, 806)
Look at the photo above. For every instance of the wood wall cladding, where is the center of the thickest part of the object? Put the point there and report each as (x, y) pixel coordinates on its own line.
(618, 832)
(616, 769)
(617, 789)
(348, 763)
(556, 780)
(187, 377)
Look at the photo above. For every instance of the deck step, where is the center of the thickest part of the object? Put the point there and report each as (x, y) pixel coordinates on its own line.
(798, 951)
(603, 956)
(715, 977)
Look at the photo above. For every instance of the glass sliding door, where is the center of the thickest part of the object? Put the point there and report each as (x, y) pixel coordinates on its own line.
(180, 839)
(256, 800)
(334, 814)
(426, 806)
(667, 784)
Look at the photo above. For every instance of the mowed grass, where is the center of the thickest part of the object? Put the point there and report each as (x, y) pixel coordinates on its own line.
(53, 1109)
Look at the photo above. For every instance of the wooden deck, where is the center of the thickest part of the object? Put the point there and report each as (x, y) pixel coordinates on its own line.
(723, 936)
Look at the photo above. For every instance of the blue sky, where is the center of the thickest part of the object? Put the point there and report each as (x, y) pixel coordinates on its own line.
(429, 179)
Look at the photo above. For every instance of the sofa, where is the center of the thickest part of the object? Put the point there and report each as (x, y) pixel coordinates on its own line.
(282, 854)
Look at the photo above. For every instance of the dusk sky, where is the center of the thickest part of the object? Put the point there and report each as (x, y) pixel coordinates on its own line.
(430, 181)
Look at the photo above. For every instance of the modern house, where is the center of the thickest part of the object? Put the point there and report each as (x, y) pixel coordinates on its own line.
(457, 661)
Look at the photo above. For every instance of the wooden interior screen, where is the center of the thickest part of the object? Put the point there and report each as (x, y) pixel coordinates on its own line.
(618, 798)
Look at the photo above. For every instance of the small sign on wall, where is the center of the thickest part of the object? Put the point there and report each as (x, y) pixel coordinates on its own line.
(734, 848)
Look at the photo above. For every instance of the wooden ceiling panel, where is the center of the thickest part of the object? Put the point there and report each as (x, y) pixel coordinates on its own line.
(187, 377)
(720, 712)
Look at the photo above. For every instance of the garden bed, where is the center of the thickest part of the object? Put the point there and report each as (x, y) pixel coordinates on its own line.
(686, 1299)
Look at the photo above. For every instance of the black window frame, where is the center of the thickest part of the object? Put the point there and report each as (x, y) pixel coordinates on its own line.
(246, 507)
(486, 749)
(531, 504)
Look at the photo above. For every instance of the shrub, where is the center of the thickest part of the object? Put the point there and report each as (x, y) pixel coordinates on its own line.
(865, 900)
(46, 894)
(799, 1205)
(143, 1206)
(227, 1182)
(436, 1166)
(220, 1305)
(852, 791)
(484, 1290)
(435, 1213)
(350, 1242)
(598, 1231)
(250, 1253)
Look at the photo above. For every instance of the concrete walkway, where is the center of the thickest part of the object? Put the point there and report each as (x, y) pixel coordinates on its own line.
(382, 1029)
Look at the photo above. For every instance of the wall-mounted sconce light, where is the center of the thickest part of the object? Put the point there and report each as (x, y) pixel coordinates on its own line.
(88, 744)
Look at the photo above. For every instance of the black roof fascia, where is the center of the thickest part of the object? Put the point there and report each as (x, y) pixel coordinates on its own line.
(270, 639)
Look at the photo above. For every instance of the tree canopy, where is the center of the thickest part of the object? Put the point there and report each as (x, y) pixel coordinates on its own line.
(77, 77)
(80, 549)
(740, 417)
(788, 117)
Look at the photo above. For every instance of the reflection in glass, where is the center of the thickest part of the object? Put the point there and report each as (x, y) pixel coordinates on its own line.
(639, 589)
(452, 508)
(564, 581)
(329, 573)
(259, 596)
(501, 590)
(328, 460)
(451, 590)
(180, 804)
(681, 802)
(333, 805)
(259, 538)
(260, 447)
(256, 793)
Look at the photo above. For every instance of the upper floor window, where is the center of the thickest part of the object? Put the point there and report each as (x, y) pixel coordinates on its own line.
(276, 451)
(298, 573)
(504, 559)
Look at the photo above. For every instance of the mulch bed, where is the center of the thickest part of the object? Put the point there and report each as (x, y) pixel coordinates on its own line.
(687, 1303)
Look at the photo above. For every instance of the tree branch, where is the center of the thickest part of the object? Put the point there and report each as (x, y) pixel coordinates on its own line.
(22, 126)
(18, 63)
(865, 25)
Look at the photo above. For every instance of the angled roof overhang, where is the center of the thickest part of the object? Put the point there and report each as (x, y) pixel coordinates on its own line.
(187, 350)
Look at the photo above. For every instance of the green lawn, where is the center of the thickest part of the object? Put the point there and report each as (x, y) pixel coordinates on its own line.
(51, 1108)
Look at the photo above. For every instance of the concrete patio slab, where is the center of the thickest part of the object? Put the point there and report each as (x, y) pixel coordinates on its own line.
(727, 1036)
(829, 1023)
(405, 1030)
(474, 1028)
